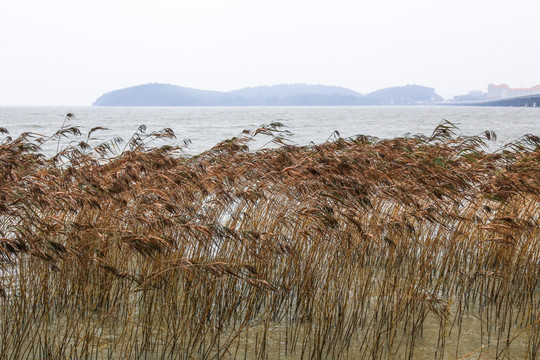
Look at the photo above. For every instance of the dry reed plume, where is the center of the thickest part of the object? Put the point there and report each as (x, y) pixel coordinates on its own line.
(358, 248)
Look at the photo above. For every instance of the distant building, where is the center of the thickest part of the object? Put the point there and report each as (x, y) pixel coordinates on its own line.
(475, 94)
(504, 91)
(471, 96)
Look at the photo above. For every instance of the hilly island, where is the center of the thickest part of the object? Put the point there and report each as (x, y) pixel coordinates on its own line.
(278, 95)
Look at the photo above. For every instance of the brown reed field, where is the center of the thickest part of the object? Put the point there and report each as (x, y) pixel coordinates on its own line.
(423, 247)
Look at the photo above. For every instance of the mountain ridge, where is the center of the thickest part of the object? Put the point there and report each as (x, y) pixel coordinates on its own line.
(156, 94)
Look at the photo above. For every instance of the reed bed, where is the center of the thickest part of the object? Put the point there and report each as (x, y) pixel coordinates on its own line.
(358, 248)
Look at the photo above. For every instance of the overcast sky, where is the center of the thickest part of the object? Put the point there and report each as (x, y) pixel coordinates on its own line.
(69, 52)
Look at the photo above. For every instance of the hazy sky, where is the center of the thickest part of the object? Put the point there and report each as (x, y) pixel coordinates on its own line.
(69, 52)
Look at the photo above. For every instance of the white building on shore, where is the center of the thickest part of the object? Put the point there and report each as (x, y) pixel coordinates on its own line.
(504, 91)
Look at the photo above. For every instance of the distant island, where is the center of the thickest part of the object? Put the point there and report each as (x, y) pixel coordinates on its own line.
(278, 95)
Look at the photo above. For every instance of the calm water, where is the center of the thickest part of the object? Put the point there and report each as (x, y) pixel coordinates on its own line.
(206, 126)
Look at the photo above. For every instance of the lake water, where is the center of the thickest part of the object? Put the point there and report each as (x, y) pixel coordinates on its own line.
(206, 126)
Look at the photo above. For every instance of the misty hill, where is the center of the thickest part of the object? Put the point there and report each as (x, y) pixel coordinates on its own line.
(295, 94)
(277, 95)
(159, 95)
(403, 95)
(172, 95)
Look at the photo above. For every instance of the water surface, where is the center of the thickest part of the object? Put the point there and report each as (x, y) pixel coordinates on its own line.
(206, 126)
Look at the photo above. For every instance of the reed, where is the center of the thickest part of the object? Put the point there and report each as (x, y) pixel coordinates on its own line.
(357, 248)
